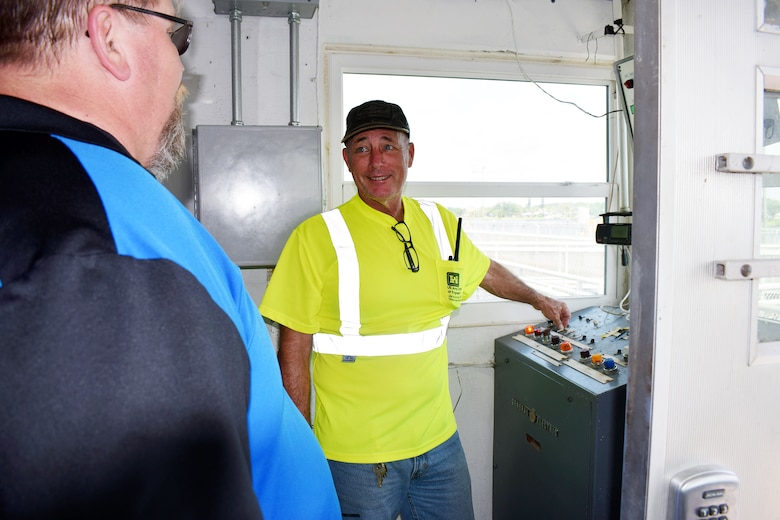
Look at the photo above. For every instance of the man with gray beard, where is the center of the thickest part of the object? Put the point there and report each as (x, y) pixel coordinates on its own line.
(171, 146)
(137, 378)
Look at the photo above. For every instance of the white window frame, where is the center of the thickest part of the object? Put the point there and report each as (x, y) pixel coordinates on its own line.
(761, 352)
(350, 59)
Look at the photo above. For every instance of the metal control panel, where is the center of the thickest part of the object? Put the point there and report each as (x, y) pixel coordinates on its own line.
(559, 418)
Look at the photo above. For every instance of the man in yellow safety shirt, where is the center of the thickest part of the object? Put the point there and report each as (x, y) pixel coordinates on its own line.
(369, 288)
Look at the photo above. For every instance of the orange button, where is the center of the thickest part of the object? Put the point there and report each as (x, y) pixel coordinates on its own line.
(597, 358)
(565, 346)
(529, 330)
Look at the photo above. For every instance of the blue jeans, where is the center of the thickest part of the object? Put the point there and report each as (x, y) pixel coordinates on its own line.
(434, 485)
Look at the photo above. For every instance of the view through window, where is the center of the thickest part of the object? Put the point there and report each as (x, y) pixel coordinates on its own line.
(769, 287)
(524, 164)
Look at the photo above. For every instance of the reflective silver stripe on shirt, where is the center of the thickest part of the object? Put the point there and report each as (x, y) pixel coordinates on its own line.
(432, 212)
(384, 344)
(350, 343)
(349, 272)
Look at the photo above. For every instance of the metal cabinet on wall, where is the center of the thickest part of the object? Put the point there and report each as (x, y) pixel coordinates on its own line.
(254, 184)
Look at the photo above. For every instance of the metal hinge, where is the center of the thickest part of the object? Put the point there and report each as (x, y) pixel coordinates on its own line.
(747, 269)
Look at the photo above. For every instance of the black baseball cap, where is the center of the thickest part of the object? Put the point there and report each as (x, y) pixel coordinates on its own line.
(375, 114)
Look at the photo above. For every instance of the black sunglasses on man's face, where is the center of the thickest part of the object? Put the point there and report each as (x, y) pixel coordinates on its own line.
(180, 37)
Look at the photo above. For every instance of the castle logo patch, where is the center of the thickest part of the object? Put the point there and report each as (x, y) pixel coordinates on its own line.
(455, 292)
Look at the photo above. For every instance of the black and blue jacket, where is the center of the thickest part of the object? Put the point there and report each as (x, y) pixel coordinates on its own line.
(137, 378)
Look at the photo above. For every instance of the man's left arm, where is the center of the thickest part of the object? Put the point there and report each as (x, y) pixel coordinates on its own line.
(500, 282)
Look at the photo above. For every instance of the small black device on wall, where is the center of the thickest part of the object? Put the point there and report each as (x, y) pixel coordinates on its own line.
(614, 233)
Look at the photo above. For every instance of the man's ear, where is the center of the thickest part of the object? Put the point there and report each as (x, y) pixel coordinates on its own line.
(103, 30)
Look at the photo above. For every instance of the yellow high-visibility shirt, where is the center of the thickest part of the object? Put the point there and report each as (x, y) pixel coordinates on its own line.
(376, 408)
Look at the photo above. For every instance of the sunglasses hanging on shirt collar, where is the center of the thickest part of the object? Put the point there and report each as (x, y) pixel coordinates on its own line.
(411, 259)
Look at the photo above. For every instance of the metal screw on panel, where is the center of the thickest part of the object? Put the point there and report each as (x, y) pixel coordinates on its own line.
(746, 270)
(748, 163)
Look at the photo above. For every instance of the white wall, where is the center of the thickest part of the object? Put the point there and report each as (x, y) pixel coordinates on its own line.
(541, 28)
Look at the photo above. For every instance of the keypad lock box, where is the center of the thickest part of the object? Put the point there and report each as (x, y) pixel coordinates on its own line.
(704, 492)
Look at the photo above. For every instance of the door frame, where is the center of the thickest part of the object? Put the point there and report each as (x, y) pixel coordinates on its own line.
(644, 262)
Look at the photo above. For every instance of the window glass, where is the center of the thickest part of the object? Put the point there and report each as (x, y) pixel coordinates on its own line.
(548, 243)
(547, 138)
(769, 288)
(771, 15)
(476, 130)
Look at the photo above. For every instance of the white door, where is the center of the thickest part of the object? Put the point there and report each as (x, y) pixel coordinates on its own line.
(702, 390)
